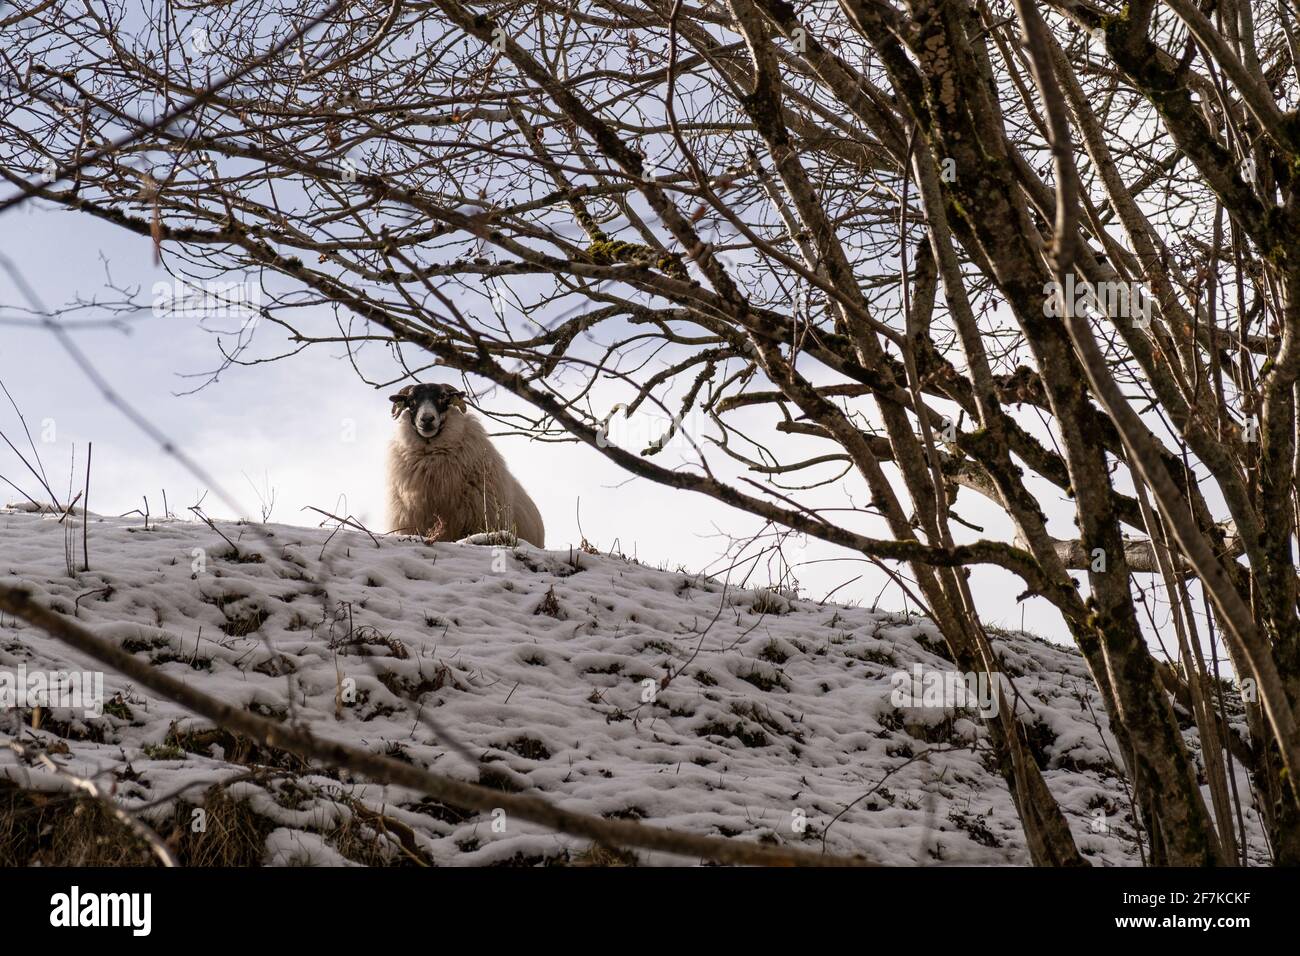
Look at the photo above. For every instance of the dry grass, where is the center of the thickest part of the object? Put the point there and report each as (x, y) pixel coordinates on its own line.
(600, 855)
(59, 829)
(234, 834)
(64, 829)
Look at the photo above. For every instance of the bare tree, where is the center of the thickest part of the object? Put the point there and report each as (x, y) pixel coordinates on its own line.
(971, 256)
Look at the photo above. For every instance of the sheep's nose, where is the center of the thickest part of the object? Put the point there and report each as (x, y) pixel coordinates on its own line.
(427, 422)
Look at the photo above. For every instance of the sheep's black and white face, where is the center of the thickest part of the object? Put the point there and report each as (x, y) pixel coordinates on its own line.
(427, 406)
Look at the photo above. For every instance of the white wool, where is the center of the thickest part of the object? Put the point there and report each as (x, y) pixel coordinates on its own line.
(456, 484)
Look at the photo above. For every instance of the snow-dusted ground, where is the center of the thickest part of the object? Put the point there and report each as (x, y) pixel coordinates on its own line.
(777, 718)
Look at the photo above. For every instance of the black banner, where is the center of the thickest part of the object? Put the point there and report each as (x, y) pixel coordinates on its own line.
(721, 904)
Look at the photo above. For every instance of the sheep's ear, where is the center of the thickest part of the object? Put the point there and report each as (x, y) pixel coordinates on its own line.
(452, 398)
(399, 400)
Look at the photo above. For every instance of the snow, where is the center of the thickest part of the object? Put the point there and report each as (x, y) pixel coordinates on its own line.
(537, 663)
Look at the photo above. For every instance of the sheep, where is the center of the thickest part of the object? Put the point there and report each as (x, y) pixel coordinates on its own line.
(445, 479)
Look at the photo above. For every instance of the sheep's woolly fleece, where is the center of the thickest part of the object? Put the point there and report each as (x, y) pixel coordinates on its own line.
(776, 726)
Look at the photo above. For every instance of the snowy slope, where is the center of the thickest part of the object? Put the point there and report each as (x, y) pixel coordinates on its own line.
(536, 661)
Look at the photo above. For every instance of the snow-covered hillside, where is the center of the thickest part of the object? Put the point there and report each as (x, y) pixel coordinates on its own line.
(550, 667)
